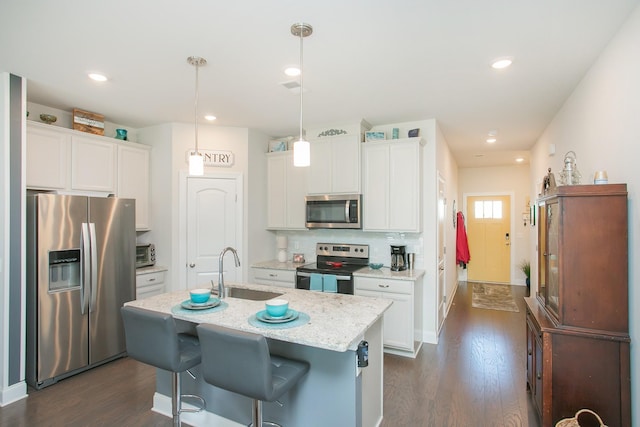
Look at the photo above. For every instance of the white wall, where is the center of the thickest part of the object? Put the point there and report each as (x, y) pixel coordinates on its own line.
(169, 167)
(599, 121)
(512, 180)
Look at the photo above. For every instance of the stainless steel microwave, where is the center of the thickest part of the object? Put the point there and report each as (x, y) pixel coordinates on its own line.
(334, 211)
(145, 255)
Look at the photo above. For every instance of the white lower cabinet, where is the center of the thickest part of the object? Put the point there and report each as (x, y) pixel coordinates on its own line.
(274, 277)
(149, 284)
(401, 320)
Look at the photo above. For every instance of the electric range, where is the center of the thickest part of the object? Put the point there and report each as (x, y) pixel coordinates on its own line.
(337, 260)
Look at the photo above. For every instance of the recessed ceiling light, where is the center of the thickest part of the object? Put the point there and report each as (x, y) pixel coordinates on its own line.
(501, 63)
(98, 77)
(210, 117)
(491, 140)
(519, 159)
(292, 71)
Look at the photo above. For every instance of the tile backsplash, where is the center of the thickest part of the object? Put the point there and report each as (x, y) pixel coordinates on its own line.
(379, 243)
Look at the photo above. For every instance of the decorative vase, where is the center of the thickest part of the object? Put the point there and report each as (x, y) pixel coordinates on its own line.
(121, 134)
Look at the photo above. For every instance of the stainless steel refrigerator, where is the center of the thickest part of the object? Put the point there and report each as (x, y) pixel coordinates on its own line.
(80, 271)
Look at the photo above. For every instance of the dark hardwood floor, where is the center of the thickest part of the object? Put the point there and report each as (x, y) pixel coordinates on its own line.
(475, 377)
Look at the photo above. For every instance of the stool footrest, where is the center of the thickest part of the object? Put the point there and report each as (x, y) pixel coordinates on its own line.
(202, 405)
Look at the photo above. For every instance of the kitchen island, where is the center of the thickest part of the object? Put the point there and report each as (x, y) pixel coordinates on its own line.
(335, 391)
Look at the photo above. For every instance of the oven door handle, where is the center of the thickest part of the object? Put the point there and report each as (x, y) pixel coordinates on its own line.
(304, 274)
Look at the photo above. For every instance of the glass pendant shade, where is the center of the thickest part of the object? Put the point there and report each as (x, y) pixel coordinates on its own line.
(196, 164)
(301, 153)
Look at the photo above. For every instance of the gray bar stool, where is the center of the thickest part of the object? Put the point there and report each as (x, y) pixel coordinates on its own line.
(152, 338)
(240, 362)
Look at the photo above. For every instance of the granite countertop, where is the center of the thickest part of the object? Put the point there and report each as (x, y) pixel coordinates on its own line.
(337, 321)
(386, 273)
(277, 265)
(151, 269)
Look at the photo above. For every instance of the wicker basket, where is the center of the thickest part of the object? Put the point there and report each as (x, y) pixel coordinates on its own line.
(573, 422)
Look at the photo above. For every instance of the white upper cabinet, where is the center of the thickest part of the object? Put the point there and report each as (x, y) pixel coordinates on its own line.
(72, 161)
(93, 164)
(133, 180)
(335, 165)
(286, 188)
(48, 153)
(392, 190)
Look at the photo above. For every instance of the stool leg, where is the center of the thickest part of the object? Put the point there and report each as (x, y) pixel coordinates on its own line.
(256, 413)
(175, 398)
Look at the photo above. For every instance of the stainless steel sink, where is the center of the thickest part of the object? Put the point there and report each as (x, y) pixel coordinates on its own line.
(251, 294)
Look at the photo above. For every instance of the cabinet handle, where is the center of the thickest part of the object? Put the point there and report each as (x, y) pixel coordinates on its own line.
(192, 265)
(153, 279)
(273, 275)
(529, 353)
(539, 375)
(383, 286)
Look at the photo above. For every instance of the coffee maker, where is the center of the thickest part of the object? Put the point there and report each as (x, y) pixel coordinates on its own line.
(398, 258)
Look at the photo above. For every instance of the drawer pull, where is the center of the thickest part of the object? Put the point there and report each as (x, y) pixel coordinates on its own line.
(273, 275)
(383, 286)
(153, 279)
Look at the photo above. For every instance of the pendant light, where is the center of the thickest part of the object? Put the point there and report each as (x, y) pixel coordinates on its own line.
(196, 161)
(301, 148)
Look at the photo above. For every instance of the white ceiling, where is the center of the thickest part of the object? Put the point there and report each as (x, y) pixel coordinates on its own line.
(382, 61)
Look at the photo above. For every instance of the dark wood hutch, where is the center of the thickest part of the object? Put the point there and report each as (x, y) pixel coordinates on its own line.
(577, 324)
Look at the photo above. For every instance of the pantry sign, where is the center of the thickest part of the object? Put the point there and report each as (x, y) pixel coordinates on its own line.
(215, 157)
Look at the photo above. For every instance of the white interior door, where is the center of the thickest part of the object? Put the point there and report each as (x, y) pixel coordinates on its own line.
(442, 289)
(212, 215)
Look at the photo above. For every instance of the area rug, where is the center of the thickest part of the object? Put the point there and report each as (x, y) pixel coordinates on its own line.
(493, 297)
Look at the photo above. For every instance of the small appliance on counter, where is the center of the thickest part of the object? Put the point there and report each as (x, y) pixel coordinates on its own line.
(145, 255)
(398, 257)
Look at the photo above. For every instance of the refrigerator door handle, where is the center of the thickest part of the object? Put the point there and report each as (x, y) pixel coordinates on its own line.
(94, 267)
(86, 267)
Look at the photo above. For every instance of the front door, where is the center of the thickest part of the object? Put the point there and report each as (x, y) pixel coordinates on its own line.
(488, 223)
(212, 215)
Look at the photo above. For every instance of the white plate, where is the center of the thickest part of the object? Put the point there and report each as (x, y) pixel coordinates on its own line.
(264, 317)
(213, 302)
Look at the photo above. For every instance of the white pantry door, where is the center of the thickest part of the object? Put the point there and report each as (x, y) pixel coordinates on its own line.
(212, 213)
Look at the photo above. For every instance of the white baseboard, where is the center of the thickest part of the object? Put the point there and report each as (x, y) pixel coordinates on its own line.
(13, 393)
(162, 405)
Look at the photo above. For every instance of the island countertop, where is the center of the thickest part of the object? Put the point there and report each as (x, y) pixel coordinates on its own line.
(337, 321)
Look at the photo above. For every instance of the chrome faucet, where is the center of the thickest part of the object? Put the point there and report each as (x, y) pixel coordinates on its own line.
(221, 292)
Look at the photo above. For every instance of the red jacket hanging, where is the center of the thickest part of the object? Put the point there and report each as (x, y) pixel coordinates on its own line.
(462, 246)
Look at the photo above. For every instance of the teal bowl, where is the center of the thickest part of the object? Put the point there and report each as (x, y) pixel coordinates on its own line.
(200, 296)
(277, 307)
(376, 265)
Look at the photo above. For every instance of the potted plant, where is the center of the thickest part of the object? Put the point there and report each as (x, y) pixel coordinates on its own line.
(525, 267)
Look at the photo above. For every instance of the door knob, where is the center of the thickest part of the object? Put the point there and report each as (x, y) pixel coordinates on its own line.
(192, 265)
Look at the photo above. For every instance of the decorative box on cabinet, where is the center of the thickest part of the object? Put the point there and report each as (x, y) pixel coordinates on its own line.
(392, 191)
(577, 327)
(402, 321)
(335, 165)
(275, 277)
(286, 188)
